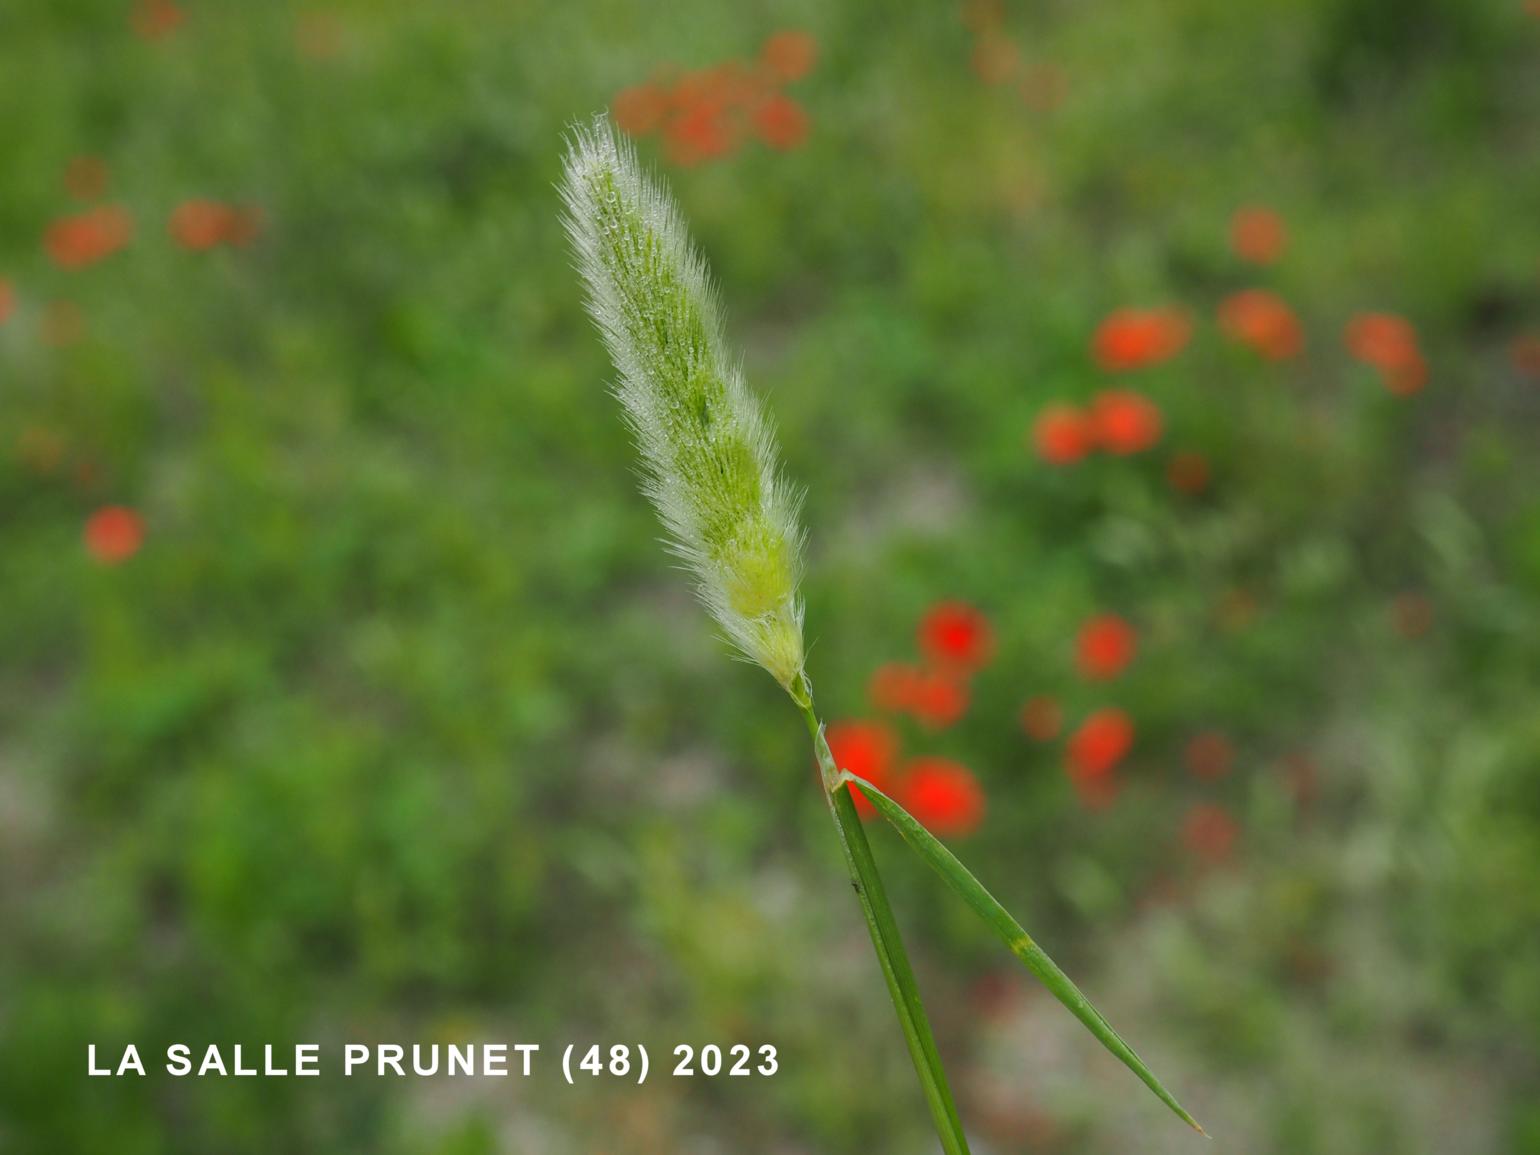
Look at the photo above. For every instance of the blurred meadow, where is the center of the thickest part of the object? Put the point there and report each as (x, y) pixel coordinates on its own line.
(1165, 379)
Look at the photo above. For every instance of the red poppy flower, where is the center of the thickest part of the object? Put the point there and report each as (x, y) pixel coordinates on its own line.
(1102, 741)
(940, 699)
(1257, 234)
(789, 55)
(113, 534)
(7, 300)
(1041, 718)
(1105, 647)
(1188, 472)
(867, 750)
(1125, 422)
(86, 178)
(700, 133)
(1389, 343)
(1413, 615)
(156, 19)
(780, 122)
(1525, 354)
(85, 238)
(943, 796)
(1062, 434)
(1209, 832)
(199, 224)
(1407, 377)
(1209, 755)
(956, 636)
(1262, 320)
(1135, 338)
(640, 110)
(895, 686)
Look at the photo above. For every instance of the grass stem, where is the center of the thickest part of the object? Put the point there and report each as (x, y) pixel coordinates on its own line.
(867, 881)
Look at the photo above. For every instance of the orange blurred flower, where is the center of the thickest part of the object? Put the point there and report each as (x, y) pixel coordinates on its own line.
(1257, 234)
(1262, 320)
(85, 238)
(1135, 338)
(940, 699)
(1062, 434)
(1210, 832)
(1188, 472)
(1209, 755)
(86, 178)
(156, 19)
(1102, 741)
(956, 637)
(1041, 718)
(1105, 646)
(640, 109)
(780, 122)
(943, 796)
(7, 300)
(699, 133)
(895, 686)
(935, 698)
(867, 750)
(198, 224)
(1125, 422)
(113, 534)
(1389, 343)
(704, 114)
(1093, 753)
(789, 55)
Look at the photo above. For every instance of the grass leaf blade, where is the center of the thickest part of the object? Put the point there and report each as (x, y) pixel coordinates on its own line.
(961, 879)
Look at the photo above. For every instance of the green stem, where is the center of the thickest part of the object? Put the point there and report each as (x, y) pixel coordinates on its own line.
(867, 882)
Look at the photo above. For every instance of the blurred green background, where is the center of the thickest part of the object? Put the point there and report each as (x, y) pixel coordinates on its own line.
(398, 725)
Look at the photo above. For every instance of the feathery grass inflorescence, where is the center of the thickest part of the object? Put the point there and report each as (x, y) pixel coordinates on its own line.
(707, 447)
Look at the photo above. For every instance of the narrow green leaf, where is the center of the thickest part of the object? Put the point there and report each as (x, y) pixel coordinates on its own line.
(891, 957)
(960, 879)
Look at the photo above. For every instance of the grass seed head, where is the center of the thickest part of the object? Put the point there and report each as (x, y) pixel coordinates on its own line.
(708, 451)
